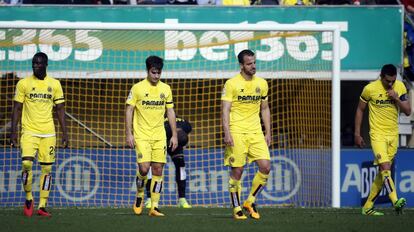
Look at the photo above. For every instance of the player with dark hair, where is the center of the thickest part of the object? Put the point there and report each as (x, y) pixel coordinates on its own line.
(385, 97)
(147, 103)
(177, 156)
(244, 97)
(35, 98)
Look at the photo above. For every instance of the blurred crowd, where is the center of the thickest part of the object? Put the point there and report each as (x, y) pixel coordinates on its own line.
(209, 2)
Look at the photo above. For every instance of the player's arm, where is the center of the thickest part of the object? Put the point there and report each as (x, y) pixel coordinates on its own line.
(60, 112)
(225, 118)
(265, 112)
(359, 141)
(16, 116)
(129, 114)
(173, 125)
(402, 101)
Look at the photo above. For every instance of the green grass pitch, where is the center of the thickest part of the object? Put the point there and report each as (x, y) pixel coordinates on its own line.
(205, 219)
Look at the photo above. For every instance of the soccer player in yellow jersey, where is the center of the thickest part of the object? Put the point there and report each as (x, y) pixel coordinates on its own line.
(34, 100)
(146, 105)
(385, 97)
(244, 97)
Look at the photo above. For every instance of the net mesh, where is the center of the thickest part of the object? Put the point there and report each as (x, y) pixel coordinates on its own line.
(97, 70)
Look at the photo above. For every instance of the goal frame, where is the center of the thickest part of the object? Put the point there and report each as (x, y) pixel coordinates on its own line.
(336, 65)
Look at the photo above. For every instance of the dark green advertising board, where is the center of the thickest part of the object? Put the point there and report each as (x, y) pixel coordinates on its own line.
(370, 36)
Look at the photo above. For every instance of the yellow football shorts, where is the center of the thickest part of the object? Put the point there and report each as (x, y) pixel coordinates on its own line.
(246, 146)
(384, 147)
(44, 147)
(151, 151)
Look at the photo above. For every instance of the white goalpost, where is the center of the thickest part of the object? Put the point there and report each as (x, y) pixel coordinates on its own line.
(98, 62)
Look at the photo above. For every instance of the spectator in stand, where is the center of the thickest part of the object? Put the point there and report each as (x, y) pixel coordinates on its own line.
(337, 2)
(409, 6)
(71, 2)
(296, 2)
(233, 2)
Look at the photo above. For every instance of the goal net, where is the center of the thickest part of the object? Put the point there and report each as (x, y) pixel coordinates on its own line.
(98, 63)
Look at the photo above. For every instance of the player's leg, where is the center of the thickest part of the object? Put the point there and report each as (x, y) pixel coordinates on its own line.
(143, 152)
(368, 208)
(258, 152)
(29, 146)
(180, 176)
(156, 188)
(399, 203)
(27, 180)
(234, 190)
(46, 158)
(148, 190)
(379, 148)
(159, 158)
(235, 157)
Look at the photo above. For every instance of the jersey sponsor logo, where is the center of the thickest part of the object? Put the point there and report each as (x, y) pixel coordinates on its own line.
(153, 103)
(40, 96)
(384, 102)
(248, 98)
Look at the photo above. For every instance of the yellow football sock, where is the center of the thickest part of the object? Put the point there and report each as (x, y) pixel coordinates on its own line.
(259, 181)
(141, 182)
(45, 184)
(27, 178)
(389, 185)
(373, 193)
(156, 188)
(234, 193)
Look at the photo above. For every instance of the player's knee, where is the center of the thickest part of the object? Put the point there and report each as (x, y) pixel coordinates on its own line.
(265, 170)
(178, 161)
(27, 165)
(46, 169)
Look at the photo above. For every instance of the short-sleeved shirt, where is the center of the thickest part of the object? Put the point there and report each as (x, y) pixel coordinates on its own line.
(38, 98)
(150, 103)
(246, 98)
(383, 112)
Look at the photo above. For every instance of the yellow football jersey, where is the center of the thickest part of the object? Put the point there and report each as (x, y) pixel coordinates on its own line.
(236, 2)
(150, 103)
(246, 97)
(38, 98)
(383, 112)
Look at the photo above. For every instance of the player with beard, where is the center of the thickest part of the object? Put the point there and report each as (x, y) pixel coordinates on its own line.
(244, 97)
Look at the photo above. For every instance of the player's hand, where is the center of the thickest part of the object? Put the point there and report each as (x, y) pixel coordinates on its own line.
(268, 138)
(13, 139)
(65, 141)
(173, 143)
(130, 140)
(228, 140)
(392, 94)
(359, 141)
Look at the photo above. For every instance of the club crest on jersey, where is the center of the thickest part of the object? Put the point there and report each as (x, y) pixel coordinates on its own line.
(378, 156)
(162, 96)
(49, 89)
(231, 159)
(257, 89)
